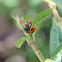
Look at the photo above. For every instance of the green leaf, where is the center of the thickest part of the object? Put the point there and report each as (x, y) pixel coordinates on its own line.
(55, 42)
(61, 55)
(42, 15)
(59, 24)
(28, 40)
(57, 58)
(19, 43)
(48, 60)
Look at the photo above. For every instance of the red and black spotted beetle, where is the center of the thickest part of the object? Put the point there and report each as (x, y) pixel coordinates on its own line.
(30, 30)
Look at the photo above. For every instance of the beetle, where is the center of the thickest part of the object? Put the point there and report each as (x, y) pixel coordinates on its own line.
(30, 30)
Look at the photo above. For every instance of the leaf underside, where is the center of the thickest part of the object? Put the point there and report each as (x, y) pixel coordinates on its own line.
(55, 41)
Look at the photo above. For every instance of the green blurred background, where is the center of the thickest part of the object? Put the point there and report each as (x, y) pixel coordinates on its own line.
(9, 33)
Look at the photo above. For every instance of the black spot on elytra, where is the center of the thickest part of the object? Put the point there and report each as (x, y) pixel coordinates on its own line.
(33, 31)
(31, 28)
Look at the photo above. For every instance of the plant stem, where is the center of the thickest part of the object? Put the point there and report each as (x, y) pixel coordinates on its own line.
(52, 5)
(55, 13)
(37, 52)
